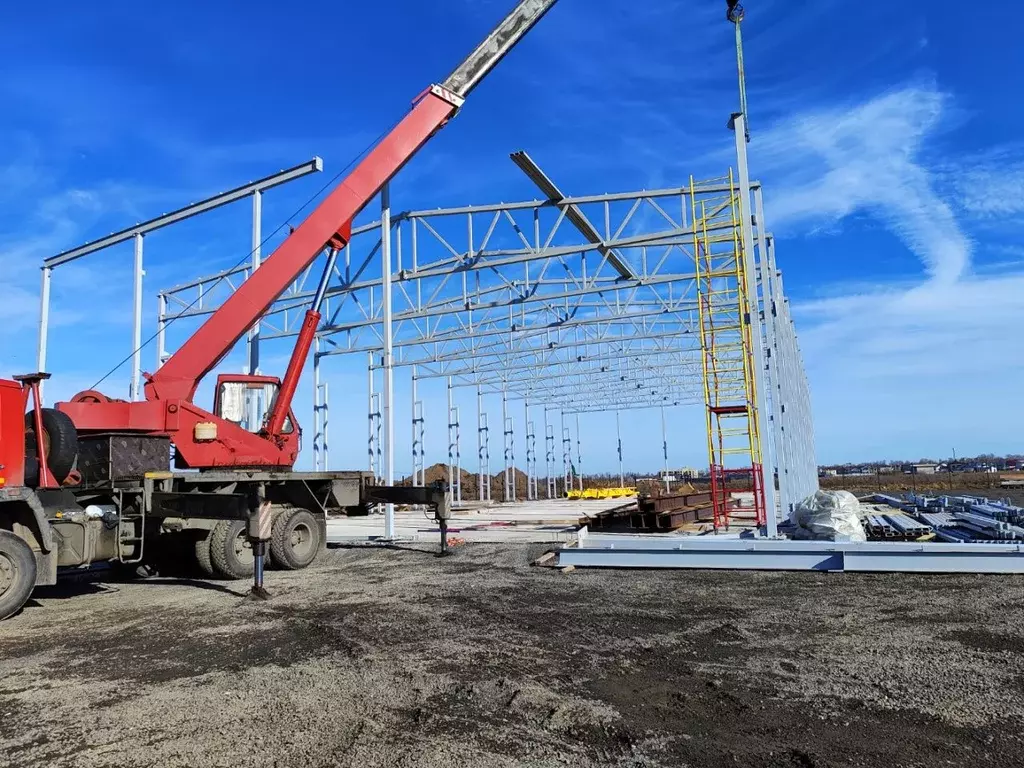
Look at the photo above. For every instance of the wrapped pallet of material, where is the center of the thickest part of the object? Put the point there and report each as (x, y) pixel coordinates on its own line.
(829, 516)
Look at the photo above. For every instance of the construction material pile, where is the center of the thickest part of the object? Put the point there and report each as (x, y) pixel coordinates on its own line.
(968, 519)
(681, 510)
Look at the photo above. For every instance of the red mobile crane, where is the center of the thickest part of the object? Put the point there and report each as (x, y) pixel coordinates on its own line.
(95, 471)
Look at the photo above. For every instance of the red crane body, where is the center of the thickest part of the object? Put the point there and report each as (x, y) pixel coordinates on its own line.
(205, 439)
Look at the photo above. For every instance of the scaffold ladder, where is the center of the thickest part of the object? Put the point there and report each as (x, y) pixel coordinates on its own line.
(725, 315)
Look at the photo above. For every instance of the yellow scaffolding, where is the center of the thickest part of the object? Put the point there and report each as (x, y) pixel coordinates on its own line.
(725, 314)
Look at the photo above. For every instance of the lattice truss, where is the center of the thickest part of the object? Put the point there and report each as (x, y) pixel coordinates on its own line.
(585, 303)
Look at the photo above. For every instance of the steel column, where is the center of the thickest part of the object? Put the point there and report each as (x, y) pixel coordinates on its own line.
(389, 391)
(135, 389)
(579, 452)
(739, 132)
(161, 329)
(549, 456)
(531, 454)
(325, 424)
(452, 479)
(483, 449)
(507, 432)
(253, 340)
(664, 452)
(317, 463)
(618, 443)
(44, 325)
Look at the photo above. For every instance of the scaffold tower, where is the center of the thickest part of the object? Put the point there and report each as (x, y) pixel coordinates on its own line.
(725, 312)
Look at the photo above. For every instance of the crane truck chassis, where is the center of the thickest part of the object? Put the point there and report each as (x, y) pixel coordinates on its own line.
(91, 481)
(121, 506)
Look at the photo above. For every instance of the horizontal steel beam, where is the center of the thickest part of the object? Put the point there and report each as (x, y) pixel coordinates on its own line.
(313, 166)
(613, 197)
(573, 213)
(637, 551)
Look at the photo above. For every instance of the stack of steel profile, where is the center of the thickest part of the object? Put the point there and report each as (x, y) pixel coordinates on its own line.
(909, 528)
(668, 512)
(936, 519)
(968, 519)
(989, 526)
(878, 527)
(895, 527)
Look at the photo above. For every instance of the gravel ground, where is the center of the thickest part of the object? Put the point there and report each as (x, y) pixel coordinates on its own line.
(394, 658)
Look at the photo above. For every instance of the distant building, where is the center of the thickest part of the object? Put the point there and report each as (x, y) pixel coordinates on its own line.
(924, 469)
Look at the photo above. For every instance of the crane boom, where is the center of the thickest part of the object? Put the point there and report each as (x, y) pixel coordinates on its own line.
(224, 437)
(330, 222)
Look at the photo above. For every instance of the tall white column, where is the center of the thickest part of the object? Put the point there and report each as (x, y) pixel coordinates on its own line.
(749, 266)
(618, 441)
(44, 324)
(136, 393)
(253, 341)
(389, 390)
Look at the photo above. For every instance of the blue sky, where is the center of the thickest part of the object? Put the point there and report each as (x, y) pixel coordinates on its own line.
(883, 133)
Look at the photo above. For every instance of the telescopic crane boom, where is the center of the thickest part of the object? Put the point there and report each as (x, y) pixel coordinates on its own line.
(206, 439)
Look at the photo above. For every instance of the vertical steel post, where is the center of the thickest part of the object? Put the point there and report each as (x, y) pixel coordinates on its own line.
(325, 424)
(370, 410)
(482, 449)
(415, 432)
(44, 325)
(316, 403)
(740, 133)
(618, 442)
(458, 454)
(531, 454)
(452, 480)
(766, 271)
(253, 339)
(579, 452)
(567, 479)
(161, 329)
(664, 452)
(549, 456)
(389, 391)
(136, 393)
(510, 478)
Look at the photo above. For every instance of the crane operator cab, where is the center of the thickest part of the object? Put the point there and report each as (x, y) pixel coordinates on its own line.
(248, 400)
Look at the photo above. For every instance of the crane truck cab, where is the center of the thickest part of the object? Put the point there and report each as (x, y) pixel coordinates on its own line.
(37, 452)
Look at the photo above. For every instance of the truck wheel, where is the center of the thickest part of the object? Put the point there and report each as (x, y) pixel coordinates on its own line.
(17, 573)
(295, 540)
(230, 551)
(60, 440)
(204, 558)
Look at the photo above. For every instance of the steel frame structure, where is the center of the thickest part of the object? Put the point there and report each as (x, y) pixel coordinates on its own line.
(253, 190)
(574, 304)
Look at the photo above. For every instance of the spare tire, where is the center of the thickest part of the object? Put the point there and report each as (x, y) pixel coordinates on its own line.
(60, 438)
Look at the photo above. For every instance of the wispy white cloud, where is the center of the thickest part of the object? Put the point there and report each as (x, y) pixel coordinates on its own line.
(866, 158)
(897, 364)
(991, 186)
